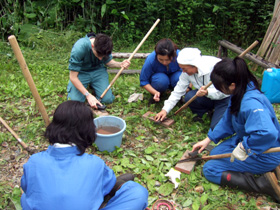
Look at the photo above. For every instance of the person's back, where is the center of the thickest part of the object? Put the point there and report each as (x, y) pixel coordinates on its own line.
(64, 177)
(60, 179)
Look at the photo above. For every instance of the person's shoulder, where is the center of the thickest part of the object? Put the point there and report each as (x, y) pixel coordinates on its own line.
(93, 157)
(252, 99)
(84, 41)
(152, 55)
(37, 157)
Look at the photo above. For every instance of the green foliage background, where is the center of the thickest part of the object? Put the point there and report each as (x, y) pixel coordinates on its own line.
(239, 21)
(47, 30)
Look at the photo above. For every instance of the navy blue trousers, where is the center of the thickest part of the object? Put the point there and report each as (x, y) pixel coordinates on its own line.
(202, 105)
(161, 82)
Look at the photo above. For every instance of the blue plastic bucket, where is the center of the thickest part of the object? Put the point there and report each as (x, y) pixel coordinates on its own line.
(109, 141)
(271, 84)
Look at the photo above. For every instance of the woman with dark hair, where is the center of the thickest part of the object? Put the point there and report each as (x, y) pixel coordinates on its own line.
(252, 126)
(160, 70)
(65, 177)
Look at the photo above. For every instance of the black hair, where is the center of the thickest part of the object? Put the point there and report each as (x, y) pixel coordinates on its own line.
(72, 123)
(236, 71)
(166, 47)
(103, 45)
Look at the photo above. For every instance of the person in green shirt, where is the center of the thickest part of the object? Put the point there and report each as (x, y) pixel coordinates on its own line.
(88, 63)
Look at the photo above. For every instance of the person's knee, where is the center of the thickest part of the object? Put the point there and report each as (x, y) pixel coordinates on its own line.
(160, 82)
(189, 95)
(210, 172)
(73, 93)
(137, 190)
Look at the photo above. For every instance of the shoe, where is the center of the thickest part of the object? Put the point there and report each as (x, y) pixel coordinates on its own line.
(210, 113)
(120, 181)
(198, 119)
(126, 177)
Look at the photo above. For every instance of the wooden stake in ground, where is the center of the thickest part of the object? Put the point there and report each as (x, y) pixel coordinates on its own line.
(13, 41)
(131, 56)
(210, 83)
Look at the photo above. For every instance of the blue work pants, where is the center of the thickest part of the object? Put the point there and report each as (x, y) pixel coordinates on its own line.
(98, 80)
(255, 164)
(131, 195)
(161, 81)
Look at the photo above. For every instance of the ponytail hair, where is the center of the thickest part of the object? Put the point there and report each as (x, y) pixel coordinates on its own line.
(235, 71)
(166, 47)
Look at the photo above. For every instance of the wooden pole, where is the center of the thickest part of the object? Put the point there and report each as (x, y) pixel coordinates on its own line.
(227, 155)
(13, 133)
(210, 83)
(13, 41)
(131, 56)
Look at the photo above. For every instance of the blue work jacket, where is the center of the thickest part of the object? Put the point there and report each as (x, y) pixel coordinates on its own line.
(152, 66)
(255, 125)
(59, 179)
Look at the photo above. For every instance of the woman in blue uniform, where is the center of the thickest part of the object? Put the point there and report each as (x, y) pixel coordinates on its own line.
(65, 177)
(253, 128)
(160, 70)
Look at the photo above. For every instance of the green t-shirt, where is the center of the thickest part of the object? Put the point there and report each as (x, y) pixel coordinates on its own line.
(82, 58)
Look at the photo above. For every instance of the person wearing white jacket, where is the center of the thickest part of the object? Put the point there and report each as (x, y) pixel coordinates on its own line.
(196, 71)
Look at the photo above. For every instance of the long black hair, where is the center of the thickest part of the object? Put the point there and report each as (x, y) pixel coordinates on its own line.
(166, 47)
(72, 123)
(236, 71)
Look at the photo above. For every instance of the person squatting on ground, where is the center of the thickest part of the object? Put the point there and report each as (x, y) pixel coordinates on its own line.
(250, 118)
(196, 70)
(64, 177)
(87, 64)
(160, 70)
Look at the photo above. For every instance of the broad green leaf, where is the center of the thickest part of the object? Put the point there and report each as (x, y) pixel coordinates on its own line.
(214, 187)
(196, 204)
(117, 169)
(149, 150)
(149, 158)
(203, 198)
(166, 189)
(103, 10)
(187, 203)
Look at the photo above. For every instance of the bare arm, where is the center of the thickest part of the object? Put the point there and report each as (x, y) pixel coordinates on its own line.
(77, 83)
(114, 64)
(153, 91)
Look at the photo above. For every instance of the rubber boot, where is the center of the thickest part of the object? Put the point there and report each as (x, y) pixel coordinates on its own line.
(120, 181)
(264, 184)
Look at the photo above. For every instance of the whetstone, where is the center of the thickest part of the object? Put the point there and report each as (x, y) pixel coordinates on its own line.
(185, 167)
(166, 122)
(99, 113)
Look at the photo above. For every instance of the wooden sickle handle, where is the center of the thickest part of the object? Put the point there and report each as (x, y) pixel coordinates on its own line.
(13, 133)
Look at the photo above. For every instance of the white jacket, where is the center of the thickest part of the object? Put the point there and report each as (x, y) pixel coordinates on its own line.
(202, 78)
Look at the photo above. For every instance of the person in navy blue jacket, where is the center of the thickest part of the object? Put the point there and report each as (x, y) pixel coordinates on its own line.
(64, 177)
(253, 128)
(161, 70)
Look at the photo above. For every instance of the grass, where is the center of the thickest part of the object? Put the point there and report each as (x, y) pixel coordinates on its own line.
(148, 150)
